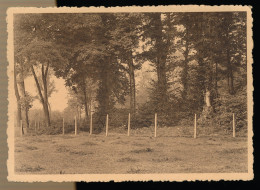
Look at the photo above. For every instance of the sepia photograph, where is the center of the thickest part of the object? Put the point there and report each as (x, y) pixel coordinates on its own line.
(130, 93)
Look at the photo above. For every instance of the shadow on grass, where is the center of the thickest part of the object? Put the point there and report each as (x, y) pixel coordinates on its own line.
(80, 153)
(31, 148)
(62, 149)
(142, 150)
(127, 159)
(26, 168)
(89, 143)
(233, 151)
(135, 170)
(166, 159)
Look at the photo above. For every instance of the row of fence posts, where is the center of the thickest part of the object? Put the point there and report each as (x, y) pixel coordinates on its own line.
(129, 122)
(128, 126)
(36, 126)
(195, 126)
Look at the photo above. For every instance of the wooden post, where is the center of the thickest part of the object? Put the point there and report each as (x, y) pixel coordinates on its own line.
(234, 126)
(195, 127)
(63, 129)
(76, 127)
(107, 125)
(155, 125)
(128, 131)
(90, 129)
(21, 127)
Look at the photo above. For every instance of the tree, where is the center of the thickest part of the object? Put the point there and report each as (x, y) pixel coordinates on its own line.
(50, 88)
(40, 52)
(158, 35)
(21, 71)
(42, 55)
(25, 100)
(125, 40)
(17, 95)
(234, 45)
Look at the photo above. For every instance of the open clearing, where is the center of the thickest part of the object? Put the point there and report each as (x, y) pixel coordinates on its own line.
(139, 153)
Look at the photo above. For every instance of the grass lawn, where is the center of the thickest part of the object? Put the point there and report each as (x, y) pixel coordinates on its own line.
(139, 153)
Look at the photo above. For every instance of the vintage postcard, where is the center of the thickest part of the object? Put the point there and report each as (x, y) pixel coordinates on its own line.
(161, 93)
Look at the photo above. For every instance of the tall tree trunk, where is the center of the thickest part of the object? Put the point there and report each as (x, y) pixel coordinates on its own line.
(80, 114)
(230, 77)
(216, 79)
(104, 92)
(85, 101)
(44, 105)
(17, 95)
(161, 55)
(45, 92)
(232, 90)
(132, 86)
(23, 93)
(185, 72)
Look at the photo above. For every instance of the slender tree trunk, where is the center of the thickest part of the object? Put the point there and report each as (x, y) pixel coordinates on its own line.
(132, 87)
(232, 90)
(230, 77)
(17, 95)
(85, 99)
(216, 79)
(80, 114)
(104, 91)
(185, 72)
(23, 93)
(49, 107)
(25, 109)
(44, 105)
(45, 92)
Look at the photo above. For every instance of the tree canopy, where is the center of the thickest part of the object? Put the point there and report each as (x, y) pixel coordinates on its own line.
(199, 60)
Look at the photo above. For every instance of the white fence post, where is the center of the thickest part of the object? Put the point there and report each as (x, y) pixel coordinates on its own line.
(90, 130)
(155, 125)
(76, 127)
(107, 125)
(195, 126)
(128, 131)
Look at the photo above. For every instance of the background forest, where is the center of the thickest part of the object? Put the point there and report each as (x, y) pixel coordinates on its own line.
(172, 64)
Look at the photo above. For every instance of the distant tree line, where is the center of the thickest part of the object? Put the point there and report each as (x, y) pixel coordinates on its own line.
(199, 60)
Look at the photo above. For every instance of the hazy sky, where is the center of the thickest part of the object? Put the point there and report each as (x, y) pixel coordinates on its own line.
(58, 99)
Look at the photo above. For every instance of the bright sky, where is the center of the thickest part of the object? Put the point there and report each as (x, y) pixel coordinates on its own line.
(58, 100)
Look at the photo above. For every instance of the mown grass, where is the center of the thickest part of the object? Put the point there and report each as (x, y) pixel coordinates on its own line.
(139, 153)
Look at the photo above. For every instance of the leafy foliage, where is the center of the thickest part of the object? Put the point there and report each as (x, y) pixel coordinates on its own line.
(198, 63)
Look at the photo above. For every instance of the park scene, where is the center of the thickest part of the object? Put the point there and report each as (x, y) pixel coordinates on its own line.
(130, 93)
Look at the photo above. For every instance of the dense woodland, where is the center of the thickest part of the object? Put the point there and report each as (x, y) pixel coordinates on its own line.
(197, 60)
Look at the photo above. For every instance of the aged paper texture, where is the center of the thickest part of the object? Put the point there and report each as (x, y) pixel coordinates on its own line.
(161, 93)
